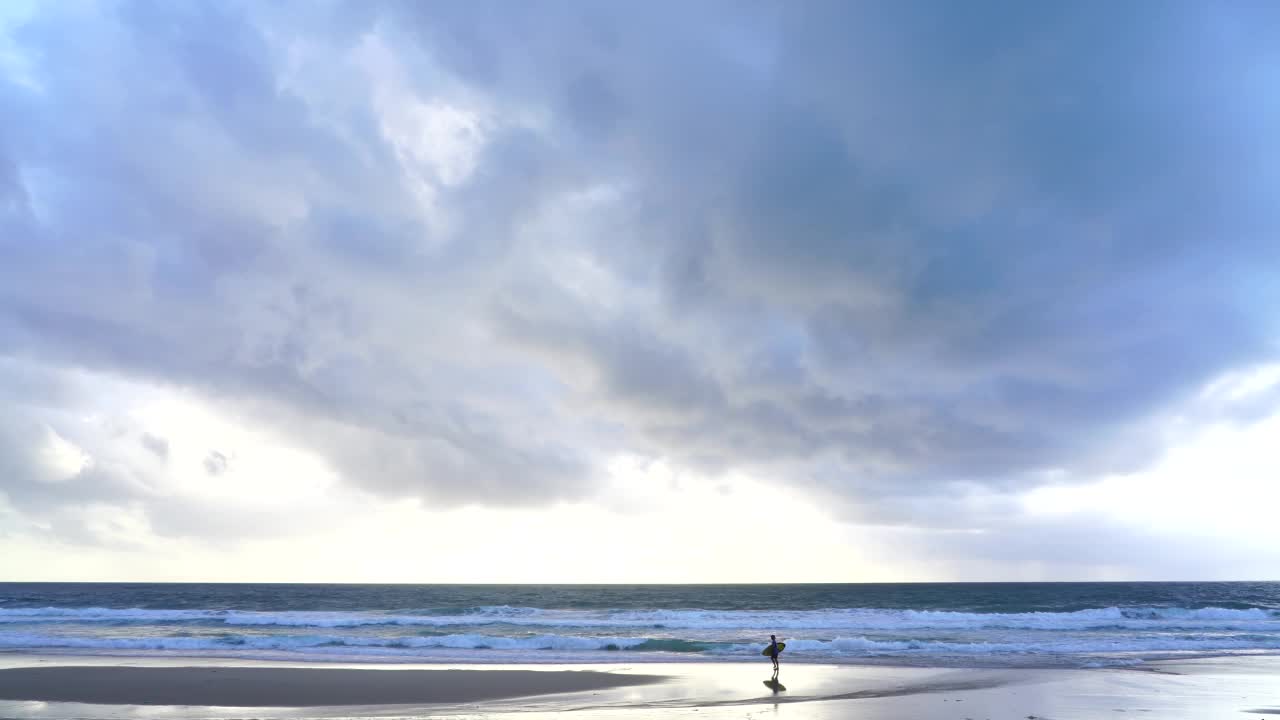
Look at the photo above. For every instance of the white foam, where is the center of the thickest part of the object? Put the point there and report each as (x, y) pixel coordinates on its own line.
(880, 619)
(844, 646)
(1072, 645)
(96, 614)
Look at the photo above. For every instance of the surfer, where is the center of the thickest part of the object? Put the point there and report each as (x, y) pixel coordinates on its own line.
(773, 652)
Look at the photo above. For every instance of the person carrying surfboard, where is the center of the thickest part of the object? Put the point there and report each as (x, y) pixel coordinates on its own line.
(773, 650)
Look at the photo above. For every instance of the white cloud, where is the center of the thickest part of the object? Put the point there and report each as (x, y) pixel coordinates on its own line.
(61, 459)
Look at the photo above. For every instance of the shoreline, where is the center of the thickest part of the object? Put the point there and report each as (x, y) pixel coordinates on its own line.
(19, 657)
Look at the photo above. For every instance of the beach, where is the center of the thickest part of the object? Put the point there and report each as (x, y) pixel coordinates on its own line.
(99, 687)
(880, 652)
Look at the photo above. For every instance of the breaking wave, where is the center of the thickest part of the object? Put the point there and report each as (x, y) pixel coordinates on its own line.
(799, 648)
(506, 633)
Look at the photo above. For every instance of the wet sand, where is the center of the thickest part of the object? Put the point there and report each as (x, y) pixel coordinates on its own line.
(1244, 687)
(292, 686)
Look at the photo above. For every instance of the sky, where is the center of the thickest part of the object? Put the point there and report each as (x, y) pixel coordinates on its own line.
(639, 292)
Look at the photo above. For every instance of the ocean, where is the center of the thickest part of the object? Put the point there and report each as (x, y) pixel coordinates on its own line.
(960, 624)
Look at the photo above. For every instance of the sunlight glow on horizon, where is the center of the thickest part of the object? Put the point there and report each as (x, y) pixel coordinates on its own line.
(648, 523)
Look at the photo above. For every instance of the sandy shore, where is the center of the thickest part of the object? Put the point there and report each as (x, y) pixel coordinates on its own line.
(292, 687)
(151, 689)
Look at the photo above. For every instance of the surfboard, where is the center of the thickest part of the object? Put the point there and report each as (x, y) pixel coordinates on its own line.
(781, 645)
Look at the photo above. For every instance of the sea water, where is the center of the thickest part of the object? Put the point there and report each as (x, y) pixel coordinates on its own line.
(965, 624)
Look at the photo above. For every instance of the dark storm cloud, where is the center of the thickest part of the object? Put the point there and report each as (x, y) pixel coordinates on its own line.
(1003, 239)
(883, 250)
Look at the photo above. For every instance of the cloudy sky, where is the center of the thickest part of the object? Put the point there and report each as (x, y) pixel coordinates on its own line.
(610, 292)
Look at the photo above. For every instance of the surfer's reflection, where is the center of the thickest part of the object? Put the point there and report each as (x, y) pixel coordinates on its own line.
(774, 685)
